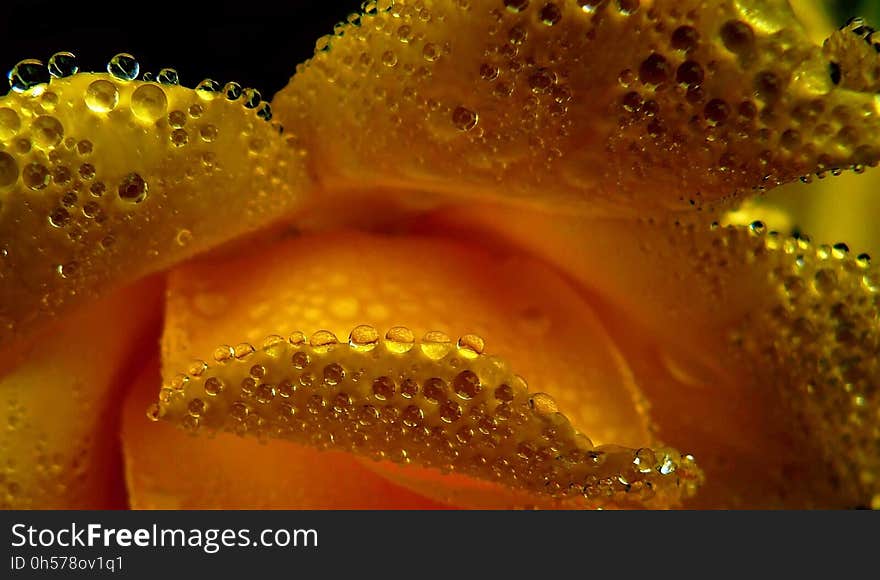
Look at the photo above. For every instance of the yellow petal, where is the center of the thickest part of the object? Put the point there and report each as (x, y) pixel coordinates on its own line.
(166, 468)
(604, 107)
(103, 181)
(326, 282)
(59, 438)
(757, 352)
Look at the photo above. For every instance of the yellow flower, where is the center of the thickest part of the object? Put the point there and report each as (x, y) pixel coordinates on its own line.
(560, 178)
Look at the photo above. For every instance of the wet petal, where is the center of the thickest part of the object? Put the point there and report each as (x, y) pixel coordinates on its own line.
(103, 181)
(59, 438)
(430, 402)
(776, 336)
(167, 468)
(607, 107)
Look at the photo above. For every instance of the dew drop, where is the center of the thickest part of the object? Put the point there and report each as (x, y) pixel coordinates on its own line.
(63, 64)
(168, 76)
(124, 67)
(550, 14)
(133, 188)
(148, 103)
(208, 89)
(252, 98)
(399, 340)
(9, 123)
(464, 119)
(27, 74)
(102, 96)
(35, 176)
(436, 345)
(232, 90)
(46, 132)
(363, 338)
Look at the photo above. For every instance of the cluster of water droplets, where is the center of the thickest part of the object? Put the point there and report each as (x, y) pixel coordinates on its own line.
(435, 402)
(103, 96)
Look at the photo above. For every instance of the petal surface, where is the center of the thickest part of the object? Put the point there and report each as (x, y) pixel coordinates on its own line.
(321, 283)
(60, 441)
(597, 106)
(759, 350)
(167, 468)
(103, 181)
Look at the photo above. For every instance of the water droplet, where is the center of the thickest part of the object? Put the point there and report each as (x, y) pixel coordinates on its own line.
(46, 132)
(543, 404)
(35, 176)
(464, 119)
(466, 385)
(102, 96)
(208, 89)
(323, 341)
(124, 67)
(333, 374)
(383, 388)
(436, 345)
(654, 70)
(208, 133)
(59, 217)
(550, 14)
(179, 137)
(148, 103)
(399, 340)
(471, 346)
(133, 188)
(168, 76)
(737, 36)
(252, 98)
(183, 238)
(685, 38)
(27, 74)
(363, 338)
(265, 112)
(63, 64)
(9, 123)
(232, 90)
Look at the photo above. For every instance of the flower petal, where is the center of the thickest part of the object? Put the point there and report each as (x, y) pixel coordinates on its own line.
(103, 181)
(758, 351)
(168, 469)
(59, 441)
(339, 400)
(605, 107)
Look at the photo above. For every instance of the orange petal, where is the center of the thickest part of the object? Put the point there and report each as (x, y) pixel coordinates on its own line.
(103, 181)
(758, 352)
(59, 441)
(604, 107)
(167, 468)
(334, 282)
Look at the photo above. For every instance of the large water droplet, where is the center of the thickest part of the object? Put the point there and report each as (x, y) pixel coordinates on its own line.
(168, 76)
(102, 96)
(63, 64)
(27, 74)
(124, 67)
(148, 103)
(133, 188)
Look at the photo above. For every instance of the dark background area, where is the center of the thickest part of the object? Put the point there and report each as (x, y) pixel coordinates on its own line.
(254, 42)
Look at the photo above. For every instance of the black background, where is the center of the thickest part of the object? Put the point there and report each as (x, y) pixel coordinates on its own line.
(254, 42)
